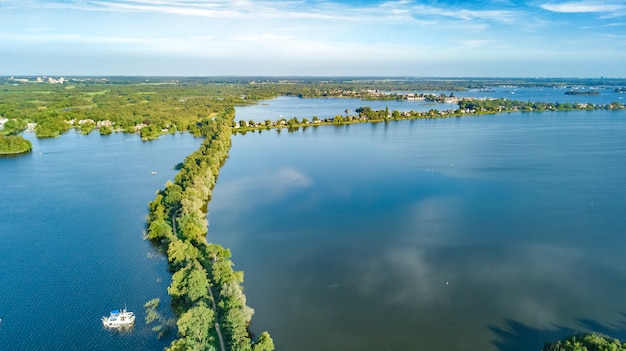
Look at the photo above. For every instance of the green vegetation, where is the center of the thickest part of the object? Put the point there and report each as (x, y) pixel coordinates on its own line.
(207, 294)
(153, 106)
(586, 342)
(118, 105)
(13, 126)
(582, 92)
(467, 107)
(14, 144)
(504, 105)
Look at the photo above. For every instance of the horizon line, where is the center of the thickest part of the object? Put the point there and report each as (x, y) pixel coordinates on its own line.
(8, 76)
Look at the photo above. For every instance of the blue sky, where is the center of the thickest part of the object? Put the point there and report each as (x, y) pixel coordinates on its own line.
(485, 38)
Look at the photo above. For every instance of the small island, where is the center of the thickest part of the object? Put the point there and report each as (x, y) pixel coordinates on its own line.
(14, 144)
(582, 92)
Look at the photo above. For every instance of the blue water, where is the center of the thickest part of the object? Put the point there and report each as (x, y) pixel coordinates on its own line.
(606, 95)
(72, 218)
(496, 232)
(477, 233)
(288, 106)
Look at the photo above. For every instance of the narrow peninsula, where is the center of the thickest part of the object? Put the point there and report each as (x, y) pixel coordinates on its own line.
(207, 295)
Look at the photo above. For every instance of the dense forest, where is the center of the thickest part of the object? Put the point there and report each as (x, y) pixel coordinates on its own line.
(14, 144)
(206, 292)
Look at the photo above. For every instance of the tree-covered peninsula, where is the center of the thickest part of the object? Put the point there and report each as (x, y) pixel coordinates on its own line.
(206, 293)
(14, 144)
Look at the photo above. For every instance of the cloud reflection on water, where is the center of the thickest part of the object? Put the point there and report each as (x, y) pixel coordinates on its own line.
(271, 186)
(536, 284)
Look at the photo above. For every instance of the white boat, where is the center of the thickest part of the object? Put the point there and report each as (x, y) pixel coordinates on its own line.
(119, 318)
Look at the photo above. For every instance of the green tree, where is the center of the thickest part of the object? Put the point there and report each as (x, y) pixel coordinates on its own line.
(159, 229)
(14, 126)
(586, 342)
(87, 127)
(196, 325)
(106, 130)
(14, 144)
(189, 285)
(51, 126)
(264, 343)
(179, 253)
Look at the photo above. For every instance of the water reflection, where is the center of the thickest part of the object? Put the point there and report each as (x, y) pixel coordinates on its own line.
(275, 185)
(71, 241)
(516, 336)
(373, 240)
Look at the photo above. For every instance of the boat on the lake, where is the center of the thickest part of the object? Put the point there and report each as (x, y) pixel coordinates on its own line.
(119, 318)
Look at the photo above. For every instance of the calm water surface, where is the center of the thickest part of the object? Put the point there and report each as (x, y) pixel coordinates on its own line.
(289, 106)
(72, 217)
(476, 233)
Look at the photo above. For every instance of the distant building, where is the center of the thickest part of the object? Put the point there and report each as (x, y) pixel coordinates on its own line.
(56, 81)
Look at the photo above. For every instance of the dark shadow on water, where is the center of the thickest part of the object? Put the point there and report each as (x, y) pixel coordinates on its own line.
(617, 330)
(517, 336)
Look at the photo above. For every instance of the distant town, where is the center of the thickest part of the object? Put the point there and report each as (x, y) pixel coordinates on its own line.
(52, 80)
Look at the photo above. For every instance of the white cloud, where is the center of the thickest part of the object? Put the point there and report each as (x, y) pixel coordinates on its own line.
(583, 7)
(475, 43)
(264, 37)
(305, 37)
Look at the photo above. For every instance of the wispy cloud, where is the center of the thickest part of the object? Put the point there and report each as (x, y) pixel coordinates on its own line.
(584, 7)
(221, 9)
(246, 9)
(475, 43)
(466, 13)
(300, 34)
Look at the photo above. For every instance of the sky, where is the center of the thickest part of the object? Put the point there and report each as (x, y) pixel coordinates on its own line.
(483, 38)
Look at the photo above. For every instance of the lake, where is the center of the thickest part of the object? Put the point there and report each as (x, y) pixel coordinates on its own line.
(72, 218)
(496, 232)
(288, 106)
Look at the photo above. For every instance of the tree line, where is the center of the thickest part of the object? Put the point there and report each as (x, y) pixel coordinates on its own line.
(206, 293)
(467, 106)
